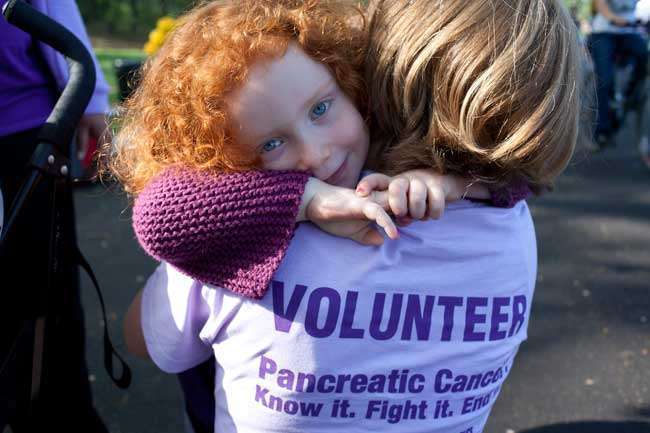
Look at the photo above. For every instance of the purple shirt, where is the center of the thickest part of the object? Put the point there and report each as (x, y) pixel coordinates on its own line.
(23, 62)
(27, 92)
(421, 332)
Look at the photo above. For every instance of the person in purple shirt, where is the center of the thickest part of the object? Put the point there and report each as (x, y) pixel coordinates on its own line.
(31, 78)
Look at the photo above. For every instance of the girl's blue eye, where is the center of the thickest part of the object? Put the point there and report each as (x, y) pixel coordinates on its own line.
(272, 144)
(320, 109)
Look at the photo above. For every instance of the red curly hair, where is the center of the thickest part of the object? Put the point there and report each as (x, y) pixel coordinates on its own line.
(178, 116)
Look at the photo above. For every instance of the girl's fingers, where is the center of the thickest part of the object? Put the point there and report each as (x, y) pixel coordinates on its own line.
(436, 203)
(376, 213)
(403, 221)
(417, 199)
(373, 182)
(397, 196)
(381, 198)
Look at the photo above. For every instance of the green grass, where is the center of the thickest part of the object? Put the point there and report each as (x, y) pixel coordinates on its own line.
(107, 58)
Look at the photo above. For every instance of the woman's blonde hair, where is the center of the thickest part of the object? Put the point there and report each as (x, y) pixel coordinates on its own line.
(178, 116)
(485, 88)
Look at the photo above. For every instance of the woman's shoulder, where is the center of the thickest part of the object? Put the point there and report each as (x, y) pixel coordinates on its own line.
(468, 232)
(480, 227)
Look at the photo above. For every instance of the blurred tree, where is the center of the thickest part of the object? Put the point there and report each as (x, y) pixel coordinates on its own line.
(134, 19)
(131, 19)
(580, 8)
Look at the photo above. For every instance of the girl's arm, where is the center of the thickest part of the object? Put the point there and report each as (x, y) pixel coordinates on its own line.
(231, 230)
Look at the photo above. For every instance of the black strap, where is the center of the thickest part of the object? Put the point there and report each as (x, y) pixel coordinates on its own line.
(109, 351)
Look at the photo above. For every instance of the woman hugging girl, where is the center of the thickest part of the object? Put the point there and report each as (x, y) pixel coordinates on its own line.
(246, 100)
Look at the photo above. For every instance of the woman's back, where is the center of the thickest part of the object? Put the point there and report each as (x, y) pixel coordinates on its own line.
(418, 333)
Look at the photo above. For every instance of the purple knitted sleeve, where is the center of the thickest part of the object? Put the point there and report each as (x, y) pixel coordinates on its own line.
(230, 230)
(509, 196)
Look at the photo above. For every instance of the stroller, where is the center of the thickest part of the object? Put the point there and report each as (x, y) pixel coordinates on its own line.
(31, 358)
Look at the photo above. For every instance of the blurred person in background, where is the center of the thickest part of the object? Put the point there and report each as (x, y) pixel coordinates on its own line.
(643, 15)
(615, 34)
(32, 76)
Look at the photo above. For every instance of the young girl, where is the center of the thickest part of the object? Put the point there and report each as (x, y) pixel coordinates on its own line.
(290, 362)
(211, 239)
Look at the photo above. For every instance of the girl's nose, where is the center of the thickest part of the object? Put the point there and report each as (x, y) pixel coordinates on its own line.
(313, 155)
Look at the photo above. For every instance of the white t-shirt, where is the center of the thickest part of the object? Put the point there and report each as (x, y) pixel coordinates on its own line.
(414, 336)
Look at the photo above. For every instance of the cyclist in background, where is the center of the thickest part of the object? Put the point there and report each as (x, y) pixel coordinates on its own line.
(614, 33)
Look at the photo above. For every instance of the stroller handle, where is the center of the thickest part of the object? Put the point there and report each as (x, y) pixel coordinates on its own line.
(62, 121)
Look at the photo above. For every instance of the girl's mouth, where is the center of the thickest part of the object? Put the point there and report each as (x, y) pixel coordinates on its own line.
(338, 175)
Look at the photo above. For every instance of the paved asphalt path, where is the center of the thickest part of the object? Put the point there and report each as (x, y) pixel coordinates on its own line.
(585, 367)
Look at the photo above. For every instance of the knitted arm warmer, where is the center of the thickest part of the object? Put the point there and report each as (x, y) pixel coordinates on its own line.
(509, 196)
(230, 230)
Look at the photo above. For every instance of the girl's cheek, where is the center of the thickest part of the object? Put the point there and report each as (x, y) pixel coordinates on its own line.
(278, 159)
(350, 129)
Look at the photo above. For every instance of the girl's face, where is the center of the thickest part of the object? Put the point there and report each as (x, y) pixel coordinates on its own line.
(291, 112)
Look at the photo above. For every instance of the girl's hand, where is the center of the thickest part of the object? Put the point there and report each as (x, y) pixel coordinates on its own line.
(341, 212)
(420, 194)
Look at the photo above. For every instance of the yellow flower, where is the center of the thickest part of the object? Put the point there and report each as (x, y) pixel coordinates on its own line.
(165, 24)
(150, 48)
(157, 37)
